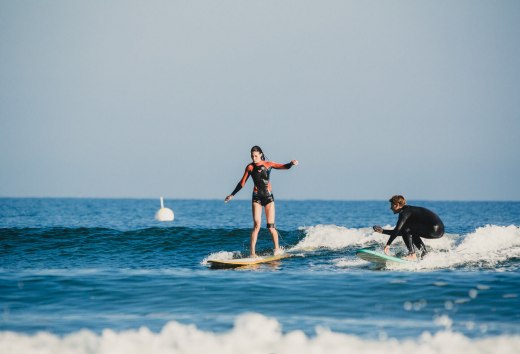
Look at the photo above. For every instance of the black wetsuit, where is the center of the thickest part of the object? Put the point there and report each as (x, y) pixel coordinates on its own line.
(262, 194)
(414, 223)
(260, 172)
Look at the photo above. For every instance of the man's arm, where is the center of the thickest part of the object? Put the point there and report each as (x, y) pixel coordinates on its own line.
(403, 216)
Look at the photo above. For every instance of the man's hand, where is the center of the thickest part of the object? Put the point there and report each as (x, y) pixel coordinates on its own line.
(228, 198)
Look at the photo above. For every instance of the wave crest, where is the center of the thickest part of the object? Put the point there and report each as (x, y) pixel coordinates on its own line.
(246, 337)
(336, 237)
(487, 246)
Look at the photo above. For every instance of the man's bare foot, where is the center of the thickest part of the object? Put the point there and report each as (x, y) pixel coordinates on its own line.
(411, 257)
(253, 256)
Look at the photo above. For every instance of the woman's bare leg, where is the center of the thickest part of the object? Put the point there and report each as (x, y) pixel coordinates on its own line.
(270, 217)
(257, 221)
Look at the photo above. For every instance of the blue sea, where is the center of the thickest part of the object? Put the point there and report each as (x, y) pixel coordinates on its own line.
(103, 276)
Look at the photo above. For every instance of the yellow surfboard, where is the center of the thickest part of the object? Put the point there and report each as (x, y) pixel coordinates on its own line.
(243, 262)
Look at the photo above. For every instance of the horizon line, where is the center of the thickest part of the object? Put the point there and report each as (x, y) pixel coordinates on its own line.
(248, 199)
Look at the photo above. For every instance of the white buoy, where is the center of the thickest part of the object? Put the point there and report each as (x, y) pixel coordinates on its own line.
(164, 214)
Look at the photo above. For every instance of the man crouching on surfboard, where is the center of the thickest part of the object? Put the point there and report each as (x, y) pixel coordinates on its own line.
(413, 223)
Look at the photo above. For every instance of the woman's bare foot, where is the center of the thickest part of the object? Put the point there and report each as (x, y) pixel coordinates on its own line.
(278, 251)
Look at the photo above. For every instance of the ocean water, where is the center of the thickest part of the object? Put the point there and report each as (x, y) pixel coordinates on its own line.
(102, 276)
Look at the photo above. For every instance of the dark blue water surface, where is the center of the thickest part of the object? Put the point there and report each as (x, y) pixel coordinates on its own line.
(68, 264)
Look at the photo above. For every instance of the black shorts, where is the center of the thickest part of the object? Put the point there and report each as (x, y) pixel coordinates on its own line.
(263, 200)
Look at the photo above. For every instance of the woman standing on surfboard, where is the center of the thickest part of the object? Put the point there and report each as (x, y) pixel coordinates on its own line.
(259, 170)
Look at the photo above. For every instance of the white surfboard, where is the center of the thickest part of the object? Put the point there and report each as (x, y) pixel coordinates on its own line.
(243, 262)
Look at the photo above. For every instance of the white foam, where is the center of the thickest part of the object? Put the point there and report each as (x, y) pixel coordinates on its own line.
(252, 334)
(337, 237)
(486, 246)
(219, 256)
(491, 239)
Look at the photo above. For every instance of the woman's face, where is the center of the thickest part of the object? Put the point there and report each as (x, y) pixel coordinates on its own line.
(256, 156)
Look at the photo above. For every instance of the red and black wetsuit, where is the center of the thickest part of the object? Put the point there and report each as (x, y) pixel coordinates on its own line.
(260, 172)
(414, 223)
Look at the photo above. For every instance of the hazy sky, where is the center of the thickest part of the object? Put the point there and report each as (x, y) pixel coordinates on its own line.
(149, 98)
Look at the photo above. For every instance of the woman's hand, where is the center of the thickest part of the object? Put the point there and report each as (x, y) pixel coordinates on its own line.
(228, 198)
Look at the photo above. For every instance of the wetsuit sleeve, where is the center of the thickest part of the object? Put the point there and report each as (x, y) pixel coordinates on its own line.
(242, 181)
(278, 166)
(392, 237)
(390, 232)
(403, 216)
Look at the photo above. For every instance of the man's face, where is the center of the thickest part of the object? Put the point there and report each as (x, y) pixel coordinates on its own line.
(395, 208)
